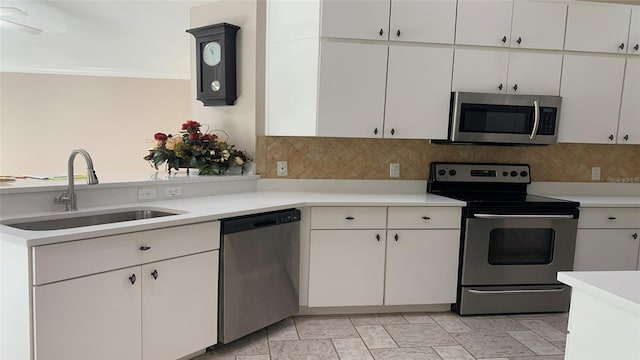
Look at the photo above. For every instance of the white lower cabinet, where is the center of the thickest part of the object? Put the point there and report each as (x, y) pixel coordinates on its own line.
(422, 267)
(411, 259)
(179, 306)
(606, 249)
(165, 308)
(346, 267)
(93, 317)
(608, 239)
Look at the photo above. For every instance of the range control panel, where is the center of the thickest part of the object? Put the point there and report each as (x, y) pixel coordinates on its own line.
(460, 172)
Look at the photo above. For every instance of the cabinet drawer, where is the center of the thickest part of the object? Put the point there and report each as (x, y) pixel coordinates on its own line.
(607, 218)
(333, 217)
(424, 217)
(78, 258)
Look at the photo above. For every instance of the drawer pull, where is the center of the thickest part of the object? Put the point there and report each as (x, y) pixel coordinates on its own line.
(396, 237)
(132, 278)
(378, 237)
(634, 236)
(155, 274)
(426, 218)
(349, 218)
(145, 248)
(612, 218)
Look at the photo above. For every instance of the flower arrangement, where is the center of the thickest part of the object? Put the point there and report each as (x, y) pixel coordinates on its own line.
(209, 153)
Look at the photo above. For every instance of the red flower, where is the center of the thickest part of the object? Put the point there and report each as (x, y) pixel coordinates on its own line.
(160, 137)
(194, 136)
(190, 124)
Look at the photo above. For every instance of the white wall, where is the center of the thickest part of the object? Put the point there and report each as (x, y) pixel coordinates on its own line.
(238, 120)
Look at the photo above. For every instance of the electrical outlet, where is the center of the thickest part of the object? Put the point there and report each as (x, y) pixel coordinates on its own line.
(394, 170)
(172, 191)
(595, 173)
(146, 194)
(282, 168)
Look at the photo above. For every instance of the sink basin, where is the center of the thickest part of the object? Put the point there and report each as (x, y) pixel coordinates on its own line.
(79, 220)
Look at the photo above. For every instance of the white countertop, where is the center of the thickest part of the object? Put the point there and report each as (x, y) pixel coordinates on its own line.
(601, 201)
(209, 208)
(620, 288)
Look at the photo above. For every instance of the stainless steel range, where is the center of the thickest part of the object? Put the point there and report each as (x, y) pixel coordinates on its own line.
(512, 244)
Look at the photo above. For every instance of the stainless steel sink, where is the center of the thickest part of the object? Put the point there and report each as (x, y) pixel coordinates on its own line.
(70, 221)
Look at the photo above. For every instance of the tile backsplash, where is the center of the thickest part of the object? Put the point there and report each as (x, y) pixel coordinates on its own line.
(349, 158)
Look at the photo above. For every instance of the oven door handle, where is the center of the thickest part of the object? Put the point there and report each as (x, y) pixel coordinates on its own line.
(493, 292)
(524, 216)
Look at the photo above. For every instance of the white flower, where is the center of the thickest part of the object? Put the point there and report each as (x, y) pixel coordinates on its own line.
(212, 152)
(226, 154)
(239, 160)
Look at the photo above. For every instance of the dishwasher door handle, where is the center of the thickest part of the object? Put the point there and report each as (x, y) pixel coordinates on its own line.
(260, 224)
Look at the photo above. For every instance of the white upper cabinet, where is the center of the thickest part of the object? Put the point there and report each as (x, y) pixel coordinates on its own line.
(418, 92)
(534, 73)
(538, 24)
(480, 71)
(355, 19)
(597, 27)
(629, 128)
(506, 72)
(351, 91)
(591, 90)
(634, 32)
(431, 21)
(402, 20)
(529, 24)
(484, 22)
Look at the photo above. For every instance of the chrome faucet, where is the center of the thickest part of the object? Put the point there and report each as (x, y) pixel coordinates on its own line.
(69, 198)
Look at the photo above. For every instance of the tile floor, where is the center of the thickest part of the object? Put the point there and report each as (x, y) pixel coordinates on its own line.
(406, 336)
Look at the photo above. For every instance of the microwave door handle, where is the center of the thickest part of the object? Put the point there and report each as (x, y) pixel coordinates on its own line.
(524, 216)
(536, 119)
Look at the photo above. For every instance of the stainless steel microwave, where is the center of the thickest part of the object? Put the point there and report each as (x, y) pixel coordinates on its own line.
(504, 119)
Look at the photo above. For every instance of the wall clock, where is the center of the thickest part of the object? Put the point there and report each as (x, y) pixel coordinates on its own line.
(216, 63)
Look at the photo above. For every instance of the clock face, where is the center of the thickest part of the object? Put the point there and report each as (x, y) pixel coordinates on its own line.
(212, 53)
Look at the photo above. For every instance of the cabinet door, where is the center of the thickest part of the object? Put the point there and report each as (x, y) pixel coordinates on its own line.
(92, 317)
(585, 24)
(634, 32)
(179, 306)
(352, 89)
(484, 22)
(534, 73)
(418, 92)
(591, 89)
(629, 128)
(355, 19)
(606, 249)
(346, 267)
(430, 21)
(538, 25)
(467, 76)
(422, 267)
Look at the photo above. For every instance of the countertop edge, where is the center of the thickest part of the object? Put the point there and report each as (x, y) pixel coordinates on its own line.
(576, 279)
(216, 207)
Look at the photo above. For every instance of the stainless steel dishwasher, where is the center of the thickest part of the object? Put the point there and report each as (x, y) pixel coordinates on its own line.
(259, 272)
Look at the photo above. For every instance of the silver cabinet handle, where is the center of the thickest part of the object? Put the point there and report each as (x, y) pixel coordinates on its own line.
(523, 216)
(493, 292)
(536, 119)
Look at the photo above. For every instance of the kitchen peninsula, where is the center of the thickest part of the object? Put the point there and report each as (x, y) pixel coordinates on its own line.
(604, 319)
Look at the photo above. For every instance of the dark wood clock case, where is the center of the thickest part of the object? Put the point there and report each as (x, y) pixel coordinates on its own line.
(224, 72)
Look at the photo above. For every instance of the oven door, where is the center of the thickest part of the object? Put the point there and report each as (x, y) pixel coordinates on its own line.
(517, 248)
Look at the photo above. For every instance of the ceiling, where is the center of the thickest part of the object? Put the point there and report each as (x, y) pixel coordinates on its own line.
(135, 38)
